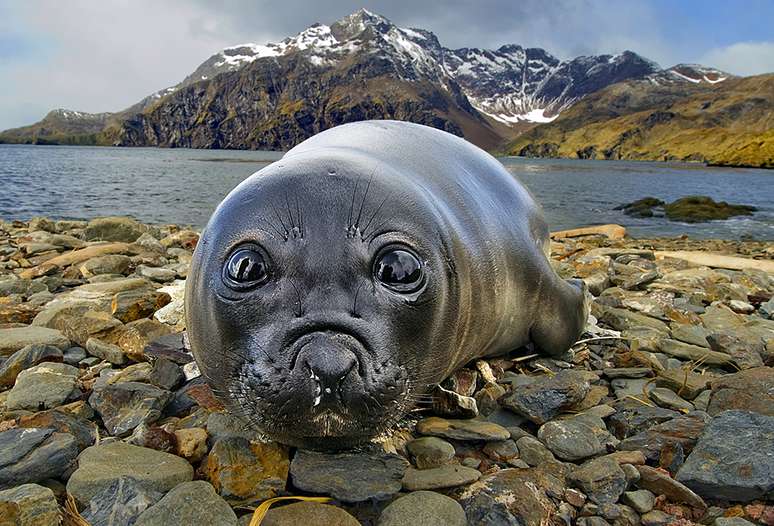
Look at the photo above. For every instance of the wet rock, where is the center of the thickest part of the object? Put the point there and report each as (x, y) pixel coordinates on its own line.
(29, 505)
(502, 451)
(692, 334)
(121, 502)
(447, 476)
(33, 455)
(449, 404)
(733, 459)
(423, 508)
(684, 430)
(628, 372)
(150, 243)
(510, 496)
(158, 274)
(656, 518)
(166, 374)
(746, 352)
(462, 429)
(667, 398)
(136, 304)
(641, 500)
(110, 264)
(244, 472)
(698, 208)
(124, 406)
(191, 443)
(25, 358)
(349, 477)
(114, 229)
(685, 383)
(750, 390)
(16, 338)
(99, 466)
(153, 437)
(84, 431)
(135, 336)
(547, 396)
(308, 513)
(79, 323)
(74, 355)
(106, 351)
(570, 439)
(632, 417)
(533, 452)
(660, 483)
(486, 398)
(601, 479)
(732, 521)
(189, 503)
(173, 347)
(44, 386)
(622, 319)
(430, 452)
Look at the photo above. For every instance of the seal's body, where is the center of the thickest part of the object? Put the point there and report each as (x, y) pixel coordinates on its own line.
(333, 287)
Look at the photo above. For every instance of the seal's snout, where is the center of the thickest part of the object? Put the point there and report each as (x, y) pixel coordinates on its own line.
(328, 368)
(329, 365)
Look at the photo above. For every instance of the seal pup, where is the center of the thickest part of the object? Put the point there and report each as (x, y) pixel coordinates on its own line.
(333, 288)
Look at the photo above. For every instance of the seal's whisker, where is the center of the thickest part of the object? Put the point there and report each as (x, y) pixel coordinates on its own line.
(300, 217)
(300, 311)
(273, 227)
(352, 204)
(290, 212)
(373, 216)
(285, 228)
(362, 203)
(354, 302)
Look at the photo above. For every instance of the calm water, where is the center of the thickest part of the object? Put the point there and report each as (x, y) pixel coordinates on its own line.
(184, 186)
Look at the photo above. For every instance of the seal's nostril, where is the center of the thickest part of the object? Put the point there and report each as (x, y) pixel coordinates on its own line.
(328, 368)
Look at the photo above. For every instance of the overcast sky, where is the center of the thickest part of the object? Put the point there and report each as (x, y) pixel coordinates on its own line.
(105, 55)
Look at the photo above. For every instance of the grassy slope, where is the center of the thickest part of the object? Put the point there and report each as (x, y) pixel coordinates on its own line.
(727, 124)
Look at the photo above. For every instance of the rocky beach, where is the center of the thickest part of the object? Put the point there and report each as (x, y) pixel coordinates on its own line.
(663, 413)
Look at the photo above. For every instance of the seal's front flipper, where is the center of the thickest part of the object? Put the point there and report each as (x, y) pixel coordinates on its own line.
(562, 314)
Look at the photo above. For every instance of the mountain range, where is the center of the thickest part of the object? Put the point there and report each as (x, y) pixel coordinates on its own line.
(272, 96)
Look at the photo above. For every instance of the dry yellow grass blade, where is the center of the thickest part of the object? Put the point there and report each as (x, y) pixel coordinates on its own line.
(261, 511)
(71, 515)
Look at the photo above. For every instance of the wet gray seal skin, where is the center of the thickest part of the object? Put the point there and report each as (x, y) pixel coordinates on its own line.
(332, 288)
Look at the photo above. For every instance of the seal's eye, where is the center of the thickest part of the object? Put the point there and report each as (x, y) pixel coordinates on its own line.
(399, 269)
(245, 268)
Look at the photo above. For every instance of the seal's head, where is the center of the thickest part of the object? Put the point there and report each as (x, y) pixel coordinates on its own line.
(317, 296)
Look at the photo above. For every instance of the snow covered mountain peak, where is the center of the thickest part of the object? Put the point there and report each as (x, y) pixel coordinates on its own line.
(510, 84)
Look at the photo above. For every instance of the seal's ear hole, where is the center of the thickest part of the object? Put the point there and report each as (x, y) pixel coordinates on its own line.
(400, 269)
(246, 268)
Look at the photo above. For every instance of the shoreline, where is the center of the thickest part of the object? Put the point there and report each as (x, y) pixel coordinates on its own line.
(100, 397)
(497, 153)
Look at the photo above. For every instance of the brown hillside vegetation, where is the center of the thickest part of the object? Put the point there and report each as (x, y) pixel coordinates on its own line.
(730, 124)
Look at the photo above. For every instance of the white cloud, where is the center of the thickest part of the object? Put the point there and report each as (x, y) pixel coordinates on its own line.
(743, 58)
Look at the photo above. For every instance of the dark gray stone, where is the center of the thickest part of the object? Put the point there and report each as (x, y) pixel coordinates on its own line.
(189, 503)
(123, 406)
(430, 452)
(35, 454)
(733, 459)
(349, 477)
(120, 503)
(547, 396)
(570, 439)
(423, 508)
(601, 479)
(25, 358)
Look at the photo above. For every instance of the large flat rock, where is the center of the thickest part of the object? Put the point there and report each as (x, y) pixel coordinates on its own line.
(99, 466)
(733, 459)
